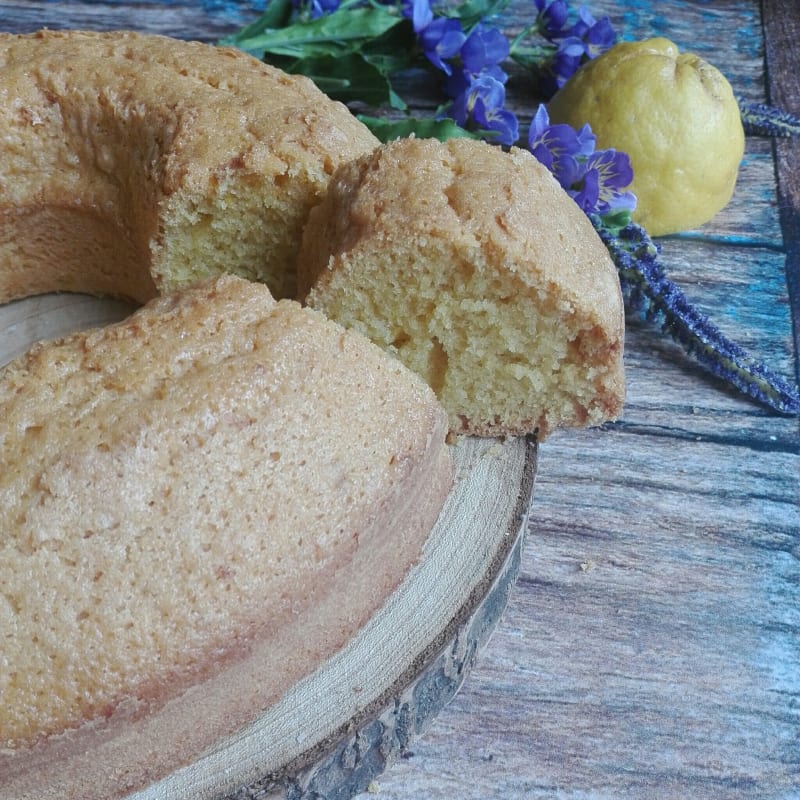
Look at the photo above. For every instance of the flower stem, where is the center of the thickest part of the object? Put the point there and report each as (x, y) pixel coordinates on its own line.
(647, 289)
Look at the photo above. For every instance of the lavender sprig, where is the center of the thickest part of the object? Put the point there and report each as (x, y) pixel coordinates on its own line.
(759, 119)
(647, 289)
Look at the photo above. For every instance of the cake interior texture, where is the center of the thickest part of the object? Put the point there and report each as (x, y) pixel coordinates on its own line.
(219, 480)
(478, 272)
(135, 164)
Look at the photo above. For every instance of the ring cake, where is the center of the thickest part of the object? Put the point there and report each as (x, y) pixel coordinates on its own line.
(477, 270)
(220, 490)
(123, 151)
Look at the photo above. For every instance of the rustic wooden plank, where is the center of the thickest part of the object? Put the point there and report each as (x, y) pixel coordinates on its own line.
(670, 396)
(699, 26)
(651, 699)
(208, 21)
(651, 648)
(782, 28)
(723, 281)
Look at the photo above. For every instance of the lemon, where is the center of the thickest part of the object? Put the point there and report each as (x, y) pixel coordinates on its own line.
(675, 116)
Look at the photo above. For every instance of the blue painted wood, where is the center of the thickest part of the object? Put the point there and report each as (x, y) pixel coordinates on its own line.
(185, 19)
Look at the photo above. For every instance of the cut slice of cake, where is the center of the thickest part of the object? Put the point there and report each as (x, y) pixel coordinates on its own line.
(478, 272)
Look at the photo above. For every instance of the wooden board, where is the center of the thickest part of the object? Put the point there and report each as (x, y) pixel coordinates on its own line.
(345, 722)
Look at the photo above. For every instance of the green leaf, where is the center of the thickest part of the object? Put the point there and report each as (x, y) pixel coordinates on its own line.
(386, 62)
(387, 129)
(276, 15)
(533, 57)
(395, 50)
(348, 78)
(343, 31)
(615, 221)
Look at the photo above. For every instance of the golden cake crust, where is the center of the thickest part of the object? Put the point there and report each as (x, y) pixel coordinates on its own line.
(463, 233)
(123, 151)
(219, 490)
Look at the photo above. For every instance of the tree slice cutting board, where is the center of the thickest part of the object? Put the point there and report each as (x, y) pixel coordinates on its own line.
(336, 730)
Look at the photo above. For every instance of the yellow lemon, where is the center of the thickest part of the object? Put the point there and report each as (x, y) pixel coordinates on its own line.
(674, 114)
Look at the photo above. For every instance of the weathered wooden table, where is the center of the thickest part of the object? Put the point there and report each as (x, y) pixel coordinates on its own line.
(651, 648)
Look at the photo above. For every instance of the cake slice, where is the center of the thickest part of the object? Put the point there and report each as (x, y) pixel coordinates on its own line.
(476, 270)
(218, 492)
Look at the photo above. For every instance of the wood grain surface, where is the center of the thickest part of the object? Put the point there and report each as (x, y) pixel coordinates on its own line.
(651, 647)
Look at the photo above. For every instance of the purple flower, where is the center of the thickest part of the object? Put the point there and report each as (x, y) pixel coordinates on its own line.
(551, 17)
(419, 12)
(491, 92)
(567, 60)
(460, 81)
(485, 48)
(500, 121)
(441, 40)
(559, 147)
(481, 54)
(482, 105)
(607, 173)
(576, 44)
(595, 179)
(596, 35)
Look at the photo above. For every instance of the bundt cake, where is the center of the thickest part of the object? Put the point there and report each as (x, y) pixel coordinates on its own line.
(478, 272)
(220, 489)
(134, 164)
